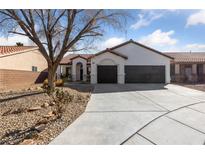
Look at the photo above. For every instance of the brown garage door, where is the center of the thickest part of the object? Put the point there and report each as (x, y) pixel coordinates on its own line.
(107, 74)
(144, 74)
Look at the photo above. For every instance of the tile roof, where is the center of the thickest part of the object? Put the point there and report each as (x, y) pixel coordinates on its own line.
(6, 50)
(179, 57)
(67, 59)
(187, 57)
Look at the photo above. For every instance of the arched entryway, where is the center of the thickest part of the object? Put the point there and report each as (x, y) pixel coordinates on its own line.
(79, 71)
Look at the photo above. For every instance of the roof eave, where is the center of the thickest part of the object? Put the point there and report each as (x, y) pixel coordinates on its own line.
(144, 46)
(110, 51)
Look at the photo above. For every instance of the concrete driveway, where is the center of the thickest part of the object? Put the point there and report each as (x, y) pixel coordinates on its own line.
(139, 114)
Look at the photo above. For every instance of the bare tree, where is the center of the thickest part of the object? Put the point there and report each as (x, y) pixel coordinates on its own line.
(57, 32)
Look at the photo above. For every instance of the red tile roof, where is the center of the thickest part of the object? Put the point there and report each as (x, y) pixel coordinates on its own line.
(6, 50)
(67, 59)
(187, 57)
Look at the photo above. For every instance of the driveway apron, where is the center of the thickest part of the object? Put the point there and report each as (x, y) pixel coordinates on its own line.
(139, 114)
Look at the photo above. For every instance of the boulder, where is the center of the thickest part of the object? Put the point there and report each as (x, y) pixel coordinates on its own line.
(27, 142)
(7, 112)
(39, 89)
(34, 108)
(50, 114)
(40, 127)
(45, 105)
(42, 121)
(52, 103)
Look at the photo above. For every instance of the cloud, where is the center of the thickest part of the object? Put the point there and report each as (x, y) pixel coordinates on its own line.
(196, 18)
(146, 18)
(13, 39)
(159, 39)
(112, 42)
(195, 47)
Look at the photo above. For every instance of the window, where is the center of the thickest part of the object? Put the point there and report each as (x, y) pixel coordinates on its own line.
(34, 69)
(185, 68)
(68, 71)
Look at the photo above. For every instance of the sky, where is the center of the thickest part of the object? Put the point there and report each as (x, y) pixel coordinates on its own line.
(163, 30)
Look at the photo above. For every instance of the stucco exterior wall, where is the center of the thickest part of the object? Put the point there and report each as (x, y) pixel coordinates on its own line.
(107, 59)
(138, 55)
(74, 63)
(24, 61)
(63, 69)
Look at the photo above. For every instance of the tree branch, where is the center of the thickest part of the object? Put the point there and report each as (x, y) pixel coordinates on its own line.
(13, 32)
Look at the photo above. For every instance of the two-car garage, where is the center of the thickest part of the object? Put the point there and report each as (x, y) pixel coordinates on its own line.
(144, 74)
(130, 62)
(133, 74)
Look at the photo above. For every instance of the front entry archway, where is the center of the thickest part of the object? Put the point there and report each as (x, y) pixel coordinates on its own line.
(79, 71)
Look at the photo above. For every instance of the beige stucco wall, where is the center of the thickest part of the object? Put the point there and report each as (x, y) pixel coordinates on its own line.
(138, 55)
(74, 72)
(63, 69)
(24, 61)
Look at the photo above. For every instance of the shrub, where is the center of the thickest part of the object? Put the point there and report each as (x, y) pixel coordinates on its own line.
(57, 83)
(45, 84)
(61, 99)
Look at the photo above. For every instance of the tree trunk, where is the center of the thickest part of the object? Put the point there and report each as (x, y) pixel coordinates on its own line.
(51, 79)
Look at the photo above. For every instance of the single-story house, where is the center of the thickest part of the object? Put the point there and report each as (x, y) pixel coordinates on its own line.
(187, 66)
(129, 62)
(21, 66)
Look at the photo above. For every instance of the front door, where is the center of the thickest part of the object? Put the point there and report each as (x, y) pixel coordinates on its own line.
(79, 72)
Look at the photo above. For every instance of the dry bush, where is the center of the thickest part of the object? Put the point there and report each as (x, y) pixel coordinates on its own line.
(61, 98)
(57, 83)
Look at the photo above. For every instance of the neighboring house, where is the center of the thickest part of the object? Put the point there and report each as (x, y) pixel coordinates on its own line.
(129, 62)
(188, 66)
(20, 66)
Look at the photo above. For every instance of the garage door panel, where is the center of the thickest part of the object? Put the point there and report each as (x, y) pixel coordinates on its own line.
(107, 74)
(145, 74)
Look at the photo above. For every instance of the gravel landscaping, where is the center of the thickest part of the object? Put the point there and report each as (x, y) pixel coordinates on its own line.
(33, 120)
